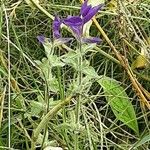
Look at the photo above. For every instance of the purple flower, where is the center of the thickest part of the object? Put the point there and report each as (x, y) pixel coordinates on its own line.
(56, 27)
(73, 21)
(76, 23)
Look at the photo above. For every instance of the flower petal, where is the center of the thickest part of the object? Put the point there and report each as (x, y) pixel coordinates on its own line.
(85, 8)
(73, 21)
(92, 12)
(91, 40)
(84, 5)
(56, 27)
(41, 38)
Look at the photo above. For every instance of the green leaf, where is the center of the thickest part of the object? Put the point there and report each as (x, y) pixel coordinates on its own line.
(48, 47)
(53, 84)
(119, 102)
(54, 61)
(88, 70)
(46, 66)
(37, 107)
(71, 58)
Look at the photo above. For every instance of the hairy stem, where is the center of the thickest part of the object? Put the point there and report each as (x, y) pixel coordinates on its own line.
(79, 96)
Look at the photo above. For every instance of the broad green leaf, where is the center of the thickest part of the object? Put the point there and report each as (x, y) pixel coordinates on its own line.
(45, 68)
(53, 84)
(119, 102)
(48, 47)
(142, 141)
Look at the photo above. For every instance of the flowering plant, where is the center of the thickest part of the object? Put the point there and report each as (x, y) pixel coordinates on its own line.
(83, 72)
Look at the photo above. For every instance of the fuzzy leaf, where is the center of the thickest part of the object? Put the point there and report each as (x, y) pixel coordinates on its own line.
(54, 61)
(87, 48)
(46, 72)
(71, 58)
(88, 70)
(48, 48)
(45, 68)
(119, 102)
(37, 107)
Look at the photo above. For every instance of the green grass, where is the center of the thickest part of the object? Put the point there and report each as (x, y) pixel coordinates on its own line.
(41, 116)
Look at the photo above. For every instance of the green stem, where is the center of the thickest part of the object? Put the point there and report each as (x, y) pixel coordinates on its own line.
(79, 81)
(79, 97)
